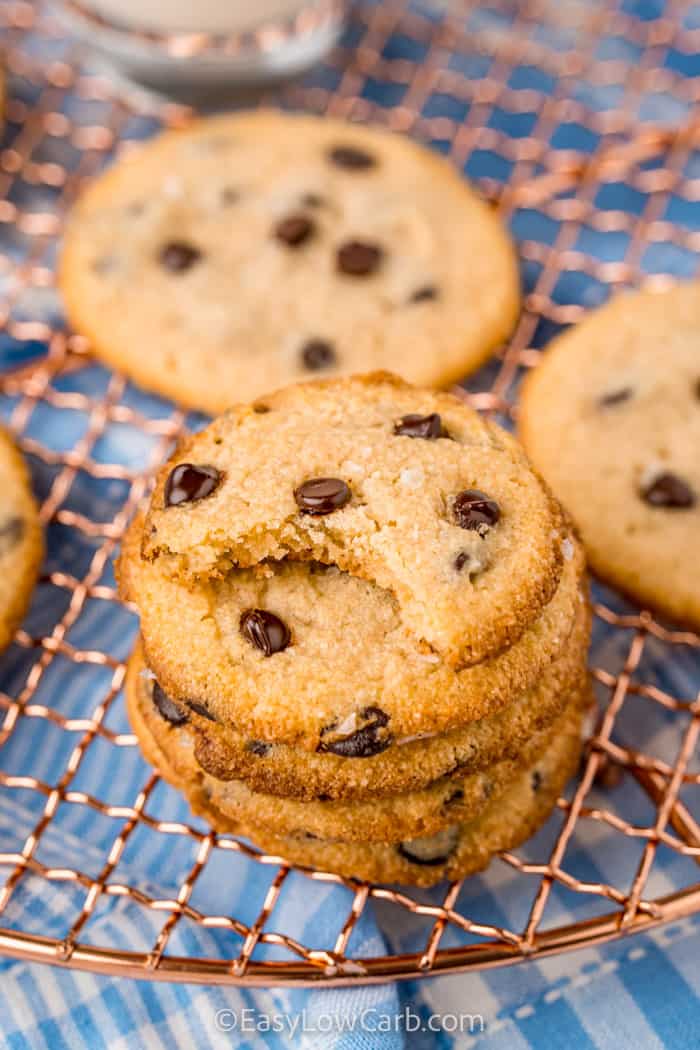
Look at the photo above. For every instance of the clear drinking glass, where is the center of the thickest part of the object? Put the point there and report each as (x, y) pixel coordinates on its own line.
(166, 42)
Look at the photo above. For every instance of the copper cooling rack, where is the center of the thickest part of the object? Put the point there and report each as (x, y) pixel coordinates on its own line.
(577, 121)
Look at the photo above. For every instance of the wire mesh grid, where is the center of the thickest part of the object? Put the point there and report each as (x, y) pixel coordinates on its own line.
(576, 120)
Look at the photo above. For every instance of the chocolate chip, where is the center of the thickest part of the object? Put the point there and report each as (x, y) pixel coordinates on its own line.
(260, 408)
(352, 158)
(669, 491)
(462, 559)
(427, 293)
(536, 780)
(414, 426)
(178, 256)
(200, 709)
(616, 397)
(294, 230)
(258, 747)
(323, 797)
(168, 709)
(265, 631)
(358, 258)
(188, 483)
(11, 533)
(230, 195)
(433, 850)
(370, 739)
(322, 495)
(456, 796)
(475, 510)
(318, 354)
(312, 200)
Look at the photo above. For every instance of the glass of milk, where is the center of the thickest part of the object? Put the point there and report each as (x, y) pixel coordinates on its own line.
(171, 42)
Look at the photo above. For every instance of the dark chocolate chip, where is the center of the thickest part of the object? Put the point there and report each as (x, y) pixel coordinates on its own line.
(536, 780)
(475, 510)
(616, 397)
(668, 491)
(265, 631)
(260, 408)
(431, 851)
(312, 200)
(11, 533)
(456, 796)
(258, 747)
(323, 797)
(322, 495)
(358, 258)
(462, 559)
(200, 709)
(178, 256)
(168, 709)
(188, 483)
(230, 195)
(295, 230)
(352, 158)
(370, 739)
(317, 354)
(414, 426)
(427, 293)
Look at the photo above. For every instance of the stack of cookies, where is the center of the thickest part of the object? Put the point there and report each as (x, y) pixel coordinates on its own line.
(363, 631)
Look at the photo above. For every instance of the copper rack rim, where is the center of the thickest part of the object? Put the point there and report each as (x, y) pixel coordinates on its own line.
(370, 970)
(561, 183)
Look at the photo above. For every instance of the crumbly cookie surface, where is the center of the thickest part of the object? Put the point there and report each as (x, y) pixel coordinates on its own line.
(385, 819)
(261, 248)
(453, 522)
(21, 543)
(611, 418)
(317, 693)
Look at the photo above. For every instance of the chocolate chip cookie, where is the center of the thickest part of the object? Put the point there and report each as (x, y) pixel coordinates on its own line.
(453, 852)
(452, 523)
(208, 642)
(158, 720)
(458, 848)
(251, 250)
(21, 543)
(611, 418)
(352, 730)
